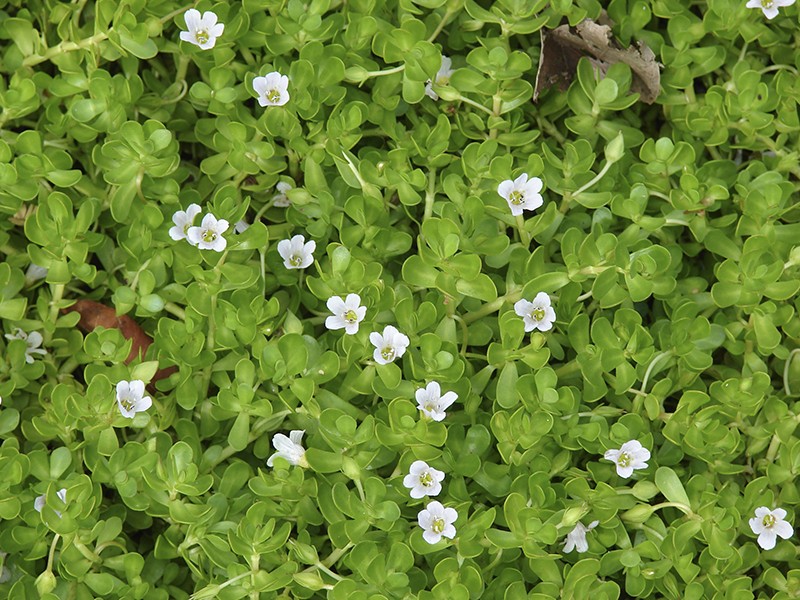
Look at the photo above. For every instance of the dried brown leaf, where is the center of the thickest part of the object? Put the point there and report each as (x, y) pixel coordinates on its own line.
(93, 314)
(564, 46)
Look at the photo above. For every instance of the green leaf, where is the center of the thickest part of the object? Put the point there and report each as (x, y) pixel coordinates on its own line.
(670, 485)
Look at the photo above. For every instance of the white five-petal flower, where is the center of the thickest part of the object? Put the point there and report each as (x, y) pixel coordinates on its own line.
(538, 314)
(632, 455)
(40, 501)
(131, 398)
(209, 235)
(521, 193)
(289, 448)
(423, 480)
(272, 89)
(32, 340)
(437, 522)
(297, 253)
(280, 200)
(442, 77)
(769, 525)
(202, 31)
(347, 313)
(432, 403)
(576, 539)
(769, 7)
(389, 345)
(183, 221)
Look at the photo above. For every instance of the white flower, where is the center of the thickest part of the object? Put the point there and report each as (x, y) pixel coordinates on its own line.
(280, 200)
(347, 314)
(768, 524)
(272, 90)
(437, 522)
(538, 314)
(389, 345)
(769, 7)
(241, 226)
(203, 31)
(183, 221)
(576, 539)
(131, 398)
(34, 274)
(521, 194)
(209, 235)
(289, 448)
(442, 78)
(40, 501)
(297, 253)
(33, 340)
(431, 402)
(423, 480)
(632, 455)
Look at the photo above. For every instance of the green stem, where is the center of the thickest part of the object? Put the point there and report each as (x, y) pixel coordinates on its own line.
(52, 554)
(176, 310)
(679, 505)
(597, 178)
(524, 236)
(491, 307)
(477, 105)
(786, 366)
(430, 195)
(58, 294)
(651, 366)
(64, 47)
(445, 18)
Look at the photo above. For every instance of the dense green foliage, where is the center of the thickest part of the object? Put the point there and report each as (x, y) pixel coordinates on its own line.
(668, 242)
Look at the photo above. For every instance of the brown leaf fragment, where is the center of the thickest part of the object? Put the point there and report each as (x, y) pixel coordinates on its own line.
(93, 314)
(564, 46)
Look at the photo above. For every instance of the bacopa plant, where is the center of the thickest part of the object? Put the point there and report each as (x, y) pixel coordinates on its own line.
(389, 299)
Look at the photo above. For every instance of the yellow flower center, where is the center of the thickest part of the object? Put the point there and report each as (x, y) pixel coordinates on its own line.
(426, 479)
(295, 260)
(768, 521)
(537, 314)
(209, 236)
(387, 353)
(437, 526)
(443, 80)
(273, 95)
(350, 316)
(767, 3)
(624, 460)
(201, 35)
(516, 197)
(126, 402)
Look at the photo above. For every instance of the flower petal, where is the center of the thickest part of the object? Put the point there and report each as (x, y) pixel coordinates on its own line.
(192, 18)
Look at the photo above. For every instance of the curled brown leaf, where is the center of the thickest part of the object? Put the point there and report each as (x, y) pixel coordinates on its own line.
(564, 46)
(94, 314)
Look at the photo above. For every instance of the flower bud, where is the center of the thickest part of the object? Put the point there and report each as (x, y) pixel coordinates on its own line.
(45, 583)
(310, 580)
(615, 149)
(571, 516)
(638, 514)
(305, 554)
(356, 74)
